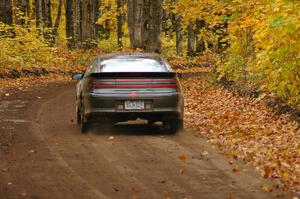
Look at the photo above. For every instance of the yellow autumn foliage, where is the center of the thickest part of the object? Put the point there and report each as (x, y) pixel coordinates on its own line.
(263, 38)
(265, 47)
(22, 48)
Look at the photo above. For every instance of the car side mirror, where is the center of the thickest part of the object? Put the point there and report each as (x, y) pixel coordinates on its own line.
(77, 76)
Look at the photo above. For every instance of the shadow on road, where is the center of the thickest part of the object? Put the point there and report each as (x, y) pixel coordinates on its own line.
(133, 128)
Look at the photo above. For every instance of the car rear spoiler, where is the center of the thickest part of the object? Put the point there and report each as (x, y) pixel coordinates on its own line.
(135, 74)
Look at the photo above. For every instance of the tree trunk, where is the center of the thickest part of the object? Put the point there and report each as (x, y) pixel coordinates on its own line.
(107, 29)
(6, 11)
(178, 34)
(135, 19)
(43, 13)
(165, 22)
(191, 40)
(120, 6)
(58, 19)
(97, 16)
(82, 16)
(152, 25)
(200, 43)
(47, 20)
(93, 12)
(23, 11)
(47, 14)
(77, 21)
(144, 24)
(70, 23)
(85, 33)
(100, 27)
(38, 13)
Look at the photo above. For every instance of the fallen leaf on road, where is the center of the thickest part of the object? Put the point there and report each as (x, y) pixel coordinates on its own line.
(116, 189)
(31, 151)
(7, 94)
(286, 175)
(111, 138)
(183, 157)
(133, 194)
(266, 188)
(266, 172)
(166, 195)
(235, 169)
(205, 153)
(4, 170)
(229, 196)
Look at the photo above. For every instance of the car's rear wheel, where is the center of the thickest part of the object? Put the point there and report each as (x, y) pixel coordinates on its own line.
(173, 126)
(84, 123)
(78, 116)
(151, 122)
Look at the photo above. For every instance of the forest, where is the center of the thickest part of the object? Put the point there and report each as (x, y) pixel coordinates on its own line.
(254, 44)
(240, 66)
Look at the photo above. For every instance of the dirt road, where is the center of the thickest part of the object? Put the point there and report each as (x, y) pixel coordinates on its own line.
(44, 156)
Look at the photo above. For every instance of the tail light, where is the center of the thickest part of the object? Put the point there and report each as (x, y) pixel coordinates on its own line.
(101, 84)
(164, 83)
(132, 83)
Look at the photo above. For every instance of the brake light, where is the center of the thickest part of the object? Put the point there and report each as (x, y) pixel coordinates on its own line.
(105, 83)
(132, 83)
(164, 83)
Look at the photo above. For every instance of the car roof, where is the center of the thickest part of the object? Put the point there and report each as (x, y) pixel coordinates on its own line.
(155, 56)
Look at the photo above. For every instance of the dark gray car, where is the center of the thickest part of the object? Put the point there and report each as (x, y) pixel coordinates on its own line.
(122, 87)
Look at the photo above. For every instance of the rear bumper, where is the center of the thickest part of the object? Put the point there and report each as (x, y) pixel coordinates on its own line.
(125, 116)
(163, 106)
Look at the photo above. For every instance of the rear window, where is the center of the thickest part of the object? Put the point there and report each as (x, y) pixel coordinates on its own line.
(132, 65)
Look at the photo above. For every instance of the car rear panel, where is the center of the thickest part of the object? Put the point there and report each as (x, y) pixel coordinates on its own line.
(107, 93)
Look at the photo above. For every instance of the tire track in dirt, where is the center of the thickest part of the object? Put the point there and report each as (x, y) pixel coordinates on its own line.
(124, 161)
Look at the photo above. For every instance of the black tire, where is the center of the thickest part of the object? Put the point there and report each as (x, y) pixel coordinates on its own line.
(84, 124)
(151, 122)
(78, 117)
(173, 126)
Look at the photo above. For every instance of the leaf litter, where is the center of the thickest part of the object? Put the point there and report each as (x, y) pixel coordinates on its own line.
(246, 129)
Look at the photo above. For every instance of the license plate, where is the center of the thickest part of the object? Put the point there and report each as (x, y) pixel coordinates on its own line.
(134, 105)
